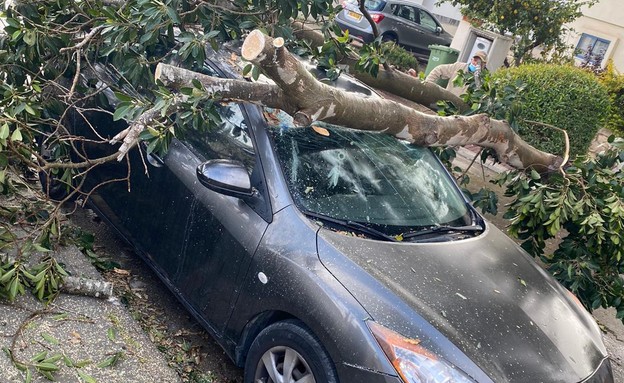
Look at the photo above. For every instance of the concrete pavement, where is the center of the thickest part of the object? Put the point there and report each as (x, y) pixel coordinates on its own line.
(94, 339)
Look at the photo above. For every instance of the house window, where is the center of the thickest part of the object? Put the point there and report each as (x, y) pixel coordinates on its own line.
(591, 49)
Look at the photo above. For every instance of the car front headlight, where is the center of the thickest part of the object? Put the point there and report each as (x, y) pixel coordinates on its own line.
(414, 363)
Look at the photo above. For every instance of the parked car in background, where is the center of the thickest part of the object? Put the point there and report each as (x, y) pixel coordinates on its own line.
(325, 254)
(402, 21)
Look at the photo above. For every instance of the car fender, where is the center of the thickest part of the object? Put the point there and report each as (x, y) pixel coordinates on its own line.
(287, 280)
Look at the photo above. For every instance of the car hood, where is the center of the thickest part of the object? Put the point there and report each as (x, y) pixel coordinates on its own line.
(484, 294)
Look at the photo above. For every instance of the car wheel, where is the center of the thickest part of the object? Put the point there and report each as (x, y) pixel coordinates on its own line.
(288, 352)
(388, 37)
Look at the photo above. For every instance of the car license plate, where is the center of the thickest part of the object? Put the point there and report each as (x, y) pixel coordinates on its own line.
(355, 15)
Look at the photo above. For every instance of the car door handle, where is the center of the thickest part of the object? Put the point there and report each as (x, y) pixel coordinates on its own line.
(155, 160)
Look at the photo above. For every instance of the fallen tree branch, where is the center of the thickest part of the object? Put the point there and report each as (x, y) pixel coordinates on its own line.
(88, 287)
(317, 101)
(299, 94)
(394, 81)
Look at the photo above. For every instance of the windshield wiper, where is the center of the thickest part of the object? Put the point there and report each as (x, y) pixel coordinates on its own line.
(353, 225)
(436, 230)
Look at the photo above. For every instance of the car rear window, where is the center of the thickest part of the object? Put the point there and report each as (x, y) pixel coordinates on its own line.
(374, 5)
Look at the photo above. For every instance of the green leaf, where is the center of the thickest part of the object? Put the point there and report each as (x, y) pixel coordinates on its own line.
(121, 111)
(111, 334)
(50, 339)
(255, 73)
(82, 363)
(173, 15)
(86, 378)
(246, 70)
(111, 360)
(123, 97)
(40, 356)
(68, 362)
(46, 366)
(17, 135)
(29, 110)
(30, 38)
(4, 131)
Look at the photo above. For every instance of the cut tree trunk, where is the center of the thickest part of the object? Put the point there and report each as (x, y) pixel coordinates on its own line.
(308, 100)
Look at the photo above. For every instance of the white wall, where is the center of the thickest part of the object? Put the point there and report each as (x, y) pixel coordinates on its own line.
(604, 20)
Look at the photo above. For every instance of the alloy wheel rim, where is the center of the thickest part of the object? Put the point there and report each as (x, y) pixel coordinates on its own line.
(283, 364)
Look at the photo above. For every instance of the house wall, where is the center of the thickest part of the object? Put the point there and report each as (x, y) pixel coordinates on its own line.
(604, 20)
(445, 12)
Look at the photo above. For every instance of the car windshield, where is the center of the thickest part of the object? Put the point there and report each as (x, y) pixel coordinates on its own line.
(369, 178)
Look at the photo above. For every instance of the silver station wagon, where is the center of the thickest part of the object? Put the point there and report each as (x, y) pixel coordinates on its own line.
(403, 22)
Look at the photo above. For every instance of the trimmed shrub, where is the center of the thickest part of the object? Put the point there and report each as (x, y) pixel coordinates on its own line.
(399, 57)
(561, 95)
(614, 82)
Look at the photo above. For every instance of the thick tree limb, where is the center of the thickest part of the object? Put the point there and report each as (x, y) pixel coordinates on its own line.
(299, 94)
(317, 101)
(88, 287)
(395, 82)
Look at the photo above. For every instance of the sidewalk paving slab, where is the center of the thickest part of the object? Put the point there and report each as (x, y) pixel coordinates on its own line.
(87, 330)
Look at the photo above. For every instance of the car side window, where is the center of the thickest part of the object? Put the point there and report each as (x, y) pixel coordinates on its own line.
(230, 139)
(427, 21)
(408, 13)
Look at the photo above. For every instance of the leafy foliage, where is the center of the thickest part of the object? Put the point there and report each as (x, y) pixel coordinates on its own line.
(534, 22)
(614, 82)
(560, 95)
(399, 57)
(584, 205)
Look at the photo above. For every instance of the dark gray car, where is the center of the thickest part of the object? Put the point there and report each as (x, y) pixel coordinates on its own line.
(325, 254)
(404, 22)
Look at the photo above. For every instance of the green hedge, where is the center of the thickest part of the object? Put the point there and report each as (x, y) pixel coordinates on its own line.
(614, 81)
(561, 95)
(399, 57)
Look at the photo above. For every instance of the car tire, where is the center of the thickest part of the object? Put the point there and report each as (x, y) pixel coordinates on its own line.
(388, 37)
(288, 340)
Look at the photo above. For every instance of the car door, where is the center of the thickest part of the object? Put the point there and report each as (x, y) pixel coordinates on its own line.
(406, 24)
(222, 232)
(199, 241)
(428, 27)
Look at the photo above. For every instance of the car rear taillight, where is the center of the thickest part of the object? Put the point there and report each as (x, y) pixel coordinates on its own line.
(377, 17)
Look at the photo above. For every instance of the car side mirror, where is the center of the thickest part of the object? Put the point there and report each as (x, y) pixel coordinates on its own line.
(227, 177)
(438, 30)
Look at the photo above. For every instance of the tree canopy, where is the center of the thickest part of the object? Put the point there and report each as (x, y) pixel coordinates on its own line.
(532, 22)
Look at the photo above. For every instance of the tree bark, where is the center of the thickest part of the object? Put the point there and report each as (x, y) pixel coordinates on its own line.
(393, 81)
(299, 94)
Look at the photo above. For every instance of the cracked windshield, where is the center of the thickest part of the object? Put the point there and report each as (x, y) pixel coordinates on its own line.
(369, 178)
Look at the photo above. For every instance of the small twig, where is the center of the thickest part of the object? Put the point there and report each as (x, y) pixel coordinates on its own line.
(85, 40)
(470, 165)
(76, 76)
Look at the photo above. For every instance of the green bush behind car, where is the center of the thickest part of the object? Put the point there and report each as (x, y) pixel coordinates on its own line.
(561, 95)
